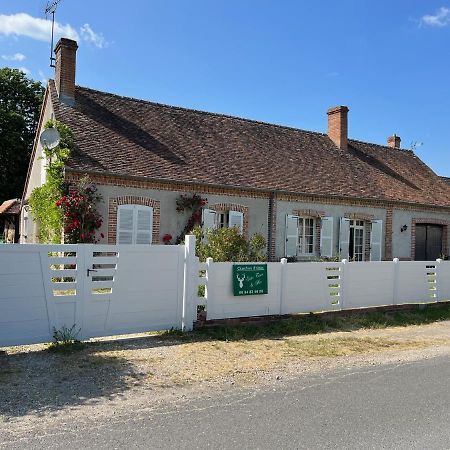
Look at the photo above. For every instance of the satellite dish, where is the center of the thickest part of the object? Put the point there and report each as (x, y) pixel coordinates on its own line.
(50, 138)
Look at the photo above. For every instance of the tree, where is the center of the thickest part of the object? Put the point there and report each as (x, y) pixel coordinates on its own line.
(20, 101)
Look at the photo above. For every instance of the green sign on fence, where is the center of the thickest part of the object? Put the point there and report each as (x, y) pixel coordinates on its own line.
(249, 279)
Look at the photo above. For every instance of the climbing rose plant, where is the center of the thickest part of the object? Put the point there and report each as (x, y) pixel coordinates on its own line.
(194, 204)
(81, 218)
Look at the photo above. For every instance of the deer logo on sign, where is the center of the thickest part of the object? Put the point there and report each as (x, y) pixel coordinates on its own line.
(241, 281)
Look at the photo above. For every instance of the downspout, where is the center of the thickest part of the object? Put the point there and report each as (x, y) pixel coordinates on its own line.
(270, 218)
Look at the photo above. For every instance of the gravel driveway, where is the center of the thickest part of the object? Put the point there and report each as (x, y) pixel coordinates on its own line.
(41, 389)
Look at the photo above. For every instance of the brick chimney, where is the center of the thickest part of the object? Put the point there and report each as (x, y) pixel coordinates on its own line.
(338, 126)
(66, 55)
(393, 141)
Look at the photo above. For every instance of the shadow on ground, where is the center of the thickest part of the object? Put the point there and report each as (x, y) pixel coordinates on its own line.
(41, 382)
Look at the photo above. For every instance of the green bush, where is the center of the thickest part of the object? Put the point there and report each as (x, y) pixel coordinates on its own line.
(227, 244)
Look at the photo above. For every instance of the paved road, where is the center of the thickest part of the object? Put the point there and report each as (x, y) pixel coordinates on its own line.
(405, 406)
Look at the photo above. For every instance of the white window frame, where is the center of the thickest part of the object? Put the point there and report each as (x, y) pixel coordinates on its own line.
(300, 251)
(300, 248)
(361, 226)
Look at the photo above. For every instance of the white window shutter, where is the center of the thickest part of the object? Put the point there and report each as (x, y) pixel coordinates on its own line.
(326, 237)
(236, 219)
(125, 224)
(344, 238)
(291, 235)
(144, 224)
(208, 219)
(376, 239)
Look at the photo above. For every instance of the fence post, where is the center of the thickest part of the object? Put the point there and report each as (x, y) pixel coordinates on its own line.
(209, 291)
(343, 282)
(438, 278)
(190, 284)
(395, 289)
(282, 283)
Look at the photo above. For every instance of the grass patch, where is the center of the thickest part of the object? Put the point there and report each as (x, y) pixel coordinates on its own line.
(66, 347)
(345, 346)
(314, 324)
(65, 340)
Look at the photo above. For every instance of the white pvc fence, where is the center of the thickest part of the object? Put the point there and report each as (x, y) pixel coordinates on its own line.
(101, 289)
(105, 290)
(315, 287)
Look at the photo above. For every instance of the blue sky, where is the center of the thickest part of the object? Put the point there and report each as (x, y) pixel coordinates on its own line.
(281, 62)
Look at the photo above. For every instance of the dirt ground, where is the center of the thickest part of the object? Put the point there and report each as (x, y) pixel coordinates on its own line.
(110, 376)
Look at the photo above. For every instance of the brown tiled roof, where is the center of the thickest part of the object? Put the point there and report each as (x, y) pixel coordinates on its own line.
(446, 179)
(125, 136)
(10, 206)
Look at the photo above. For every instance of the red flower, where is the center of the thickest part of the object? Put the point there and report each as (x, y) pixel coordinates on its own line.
(167, 237)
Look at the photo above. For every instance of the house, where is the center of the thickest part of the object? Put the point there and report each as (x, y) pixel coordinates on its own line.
(9, 221)
(311, 194)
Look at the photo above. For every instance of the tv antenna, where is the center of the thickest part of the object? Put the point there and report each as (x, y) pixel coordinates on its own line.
(51, 9)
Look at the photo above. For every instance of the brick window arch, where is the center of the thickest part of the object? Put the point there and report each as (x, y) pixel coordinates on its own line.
(114, 202)
(233, 207)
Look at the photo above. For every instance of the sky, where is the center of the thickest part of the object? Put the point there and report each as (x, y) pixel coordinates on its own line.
(284, 62)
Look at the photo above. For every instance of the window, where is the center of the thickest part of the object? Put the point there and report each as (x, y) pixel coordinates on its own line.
(356, 242)
(134, 224)
(300, 236)
(223, 219)
(305, 236)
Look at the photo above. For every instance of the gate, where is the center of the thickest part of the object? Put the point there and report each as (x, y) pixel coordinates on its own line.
(101, 290)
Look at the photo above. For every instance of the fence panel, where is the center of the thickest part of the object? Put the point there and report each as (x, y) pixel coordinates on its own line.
(23, 304)
(443, 280)
(369, 284)
(416, 282)
(312, 287)
(138, 289)
(39, 291)
(221, 303)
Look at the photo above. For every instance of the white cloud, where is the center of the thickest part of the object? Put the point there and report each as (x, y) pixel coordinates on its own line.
(25, 70)
(15, 57)
(22, 24)
(440, 19)
(89, 35)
